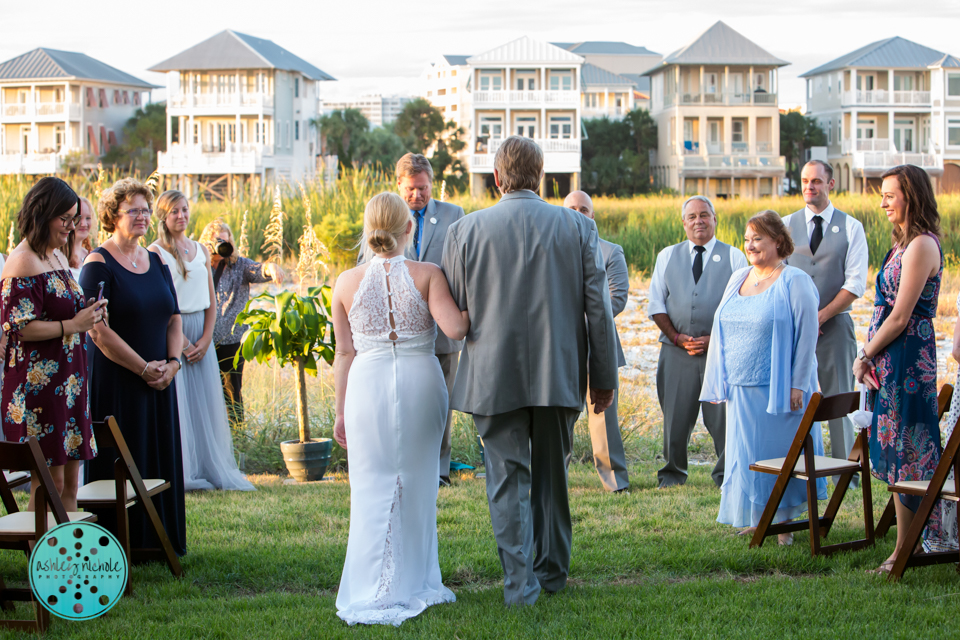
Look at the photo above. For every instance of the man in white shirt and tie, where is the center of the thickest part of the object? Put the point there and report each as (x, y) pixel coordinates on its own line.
(688, 282)
(831, 247)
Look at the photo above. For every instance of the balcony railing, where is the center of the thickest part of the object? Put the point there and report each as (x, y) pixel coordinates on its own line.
(235, 158)
(43, 110)
(720, 98)
(559, 154)
(526, 97)
(221, 100)
(29, 163)
(867, 144)
(886, 160)
(732, 162)
(882, 96)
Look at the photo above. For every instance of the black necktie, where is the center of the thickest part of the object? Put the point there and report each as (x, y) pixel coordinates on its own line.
(698, 263)
(417, 217)
(817, 236)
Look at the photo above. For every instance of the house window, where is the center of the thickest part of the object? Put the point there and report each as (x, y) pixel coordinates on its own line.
(829, 83)
(296, 130)
(953, 84)
(429, 93)
(736, 129)
(527, 126)
(491, 81)
(830, 132)
(711, 82)
(453, 107)
(453, 72)
(296, 87)
(590, 100)
(953, 133)
(441, 92)
(561, 81)
(809, 89)
(561, 127)
(58, 138)
(453, 90)
(491, 128)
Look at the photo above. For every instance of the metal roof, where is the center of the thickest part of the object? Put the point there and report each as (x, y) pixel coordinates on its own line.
(641, 83)
(605, 48)
(232, 50)
(456, 61)
(896, 52)
(720, 45)
(51, 64)
(525, 50)
(947, 61)
(592, 74)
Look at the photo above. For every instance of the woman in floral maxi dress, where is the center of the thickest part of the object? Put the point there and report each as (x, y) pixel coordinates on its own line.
(901, 347)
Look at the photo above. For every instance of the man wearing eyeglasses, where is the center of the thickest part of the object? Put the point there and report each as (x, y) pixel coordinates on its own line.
(433, 218)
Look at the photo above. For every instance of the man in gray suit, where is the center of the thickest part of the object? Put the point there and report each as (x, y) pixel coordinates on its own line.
(685, 290)
(531, 275)
(415, 184)
(608, 455)
(831, 247)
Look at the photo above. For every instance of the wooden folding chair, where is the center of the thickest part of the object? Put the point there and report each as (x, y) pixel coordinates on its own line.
(131, 489)
(16, 478)
(940, 487)
(800, 458)
(889, 517)
(19, 528)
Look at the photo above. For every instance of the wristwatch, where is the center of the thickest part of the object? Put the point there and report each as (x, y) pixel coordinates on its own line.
(177, 360)
(862, 356)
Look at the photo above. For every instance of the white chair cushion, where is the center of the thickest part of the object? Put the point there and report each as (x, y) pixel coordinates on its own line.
(821, 463)
(23, 522)
(921, 485)
(14, 476)
(106, 490)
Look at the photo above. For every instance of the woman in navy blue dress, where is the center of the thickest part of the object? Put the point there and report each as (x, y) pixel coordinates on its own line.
(901, 348)
(136, 357)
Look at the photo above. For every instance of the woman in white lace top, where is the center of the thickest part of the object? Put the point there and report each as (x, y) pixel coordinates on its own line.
(391, 403)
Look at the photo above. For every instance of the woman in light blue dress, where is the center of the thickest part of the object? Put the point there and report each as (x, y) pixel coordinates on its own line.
(762, 362)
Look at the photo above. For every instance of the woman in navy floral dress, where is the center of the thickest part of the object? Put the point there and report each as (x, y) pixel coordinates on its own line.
(901, 346)
(43, 314)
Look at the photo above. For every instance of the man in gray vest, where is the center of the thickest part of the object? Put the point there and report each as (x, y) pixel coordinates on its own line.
(608, 455)
(415, 184)
(832, 248)
(685, 290)
(531, 275)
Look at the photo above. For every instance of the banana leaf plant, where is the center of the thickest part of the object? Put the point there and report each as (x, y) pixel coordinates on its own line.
(294, 329)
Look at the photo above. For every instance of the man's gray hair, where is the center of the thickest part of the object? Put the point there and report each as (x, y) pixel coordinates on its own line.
(701, 199)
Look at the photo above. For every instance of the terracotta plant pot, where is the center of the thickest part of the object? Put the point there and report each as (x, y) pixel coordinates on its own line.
(307, 461)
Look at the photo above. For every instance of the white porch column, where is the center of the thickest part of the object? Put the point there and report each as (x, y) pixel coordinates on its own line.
(702, 88)
(34, 140)
(169, 132)
(752, 136)
(853, 132)
(726, 96)
(190, 140)
(727, 134)
(853, 86)
(750, 86)
(238, 135)
(67, 131)
(890, 88)
(702, 134)
(678, 146)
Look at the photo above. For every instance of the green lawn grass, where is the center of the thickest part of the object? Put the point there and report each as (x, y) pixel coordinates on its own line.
(651, 564)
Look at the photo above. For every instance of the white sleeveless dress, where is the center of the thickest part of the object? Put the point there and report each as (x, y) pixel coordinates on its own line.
(395, 407)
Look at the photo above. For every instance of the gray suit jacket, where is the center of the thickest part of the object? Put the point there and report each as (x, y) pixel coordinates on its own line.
(531, 275)
(431, 250)
(619, 280)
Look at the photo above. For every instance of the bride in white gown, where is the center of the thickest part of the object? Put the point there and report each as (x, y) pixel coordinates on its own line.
(391, 407)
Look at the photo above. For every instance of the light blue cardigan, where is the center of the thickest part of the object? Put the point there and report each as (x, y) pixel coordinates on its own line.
(794, 349)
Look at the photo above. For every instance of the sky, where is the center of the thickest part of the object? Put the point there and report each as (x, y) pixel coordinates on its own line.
(381, 46)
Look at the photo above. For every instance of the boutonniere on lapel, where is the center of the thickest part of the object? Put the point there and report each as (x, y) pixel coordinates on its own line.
(836, 229)
(716, 258)
(434, 221)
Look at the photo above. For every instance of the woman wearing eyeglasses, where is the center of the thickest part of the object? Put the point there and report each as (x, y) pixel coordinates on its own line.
(44, 317)
(137, 356)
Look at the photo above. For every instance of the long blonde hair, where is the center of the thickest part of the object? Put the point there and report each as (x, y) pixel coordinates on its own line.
(164, 204)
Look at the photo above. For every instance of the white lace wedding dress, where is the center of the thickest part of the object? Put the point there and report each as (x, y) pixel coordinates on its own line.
(396, 404)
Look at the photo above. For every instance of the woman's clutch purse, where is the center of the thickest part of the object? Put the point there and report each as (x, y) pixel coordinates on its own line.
(862, 418)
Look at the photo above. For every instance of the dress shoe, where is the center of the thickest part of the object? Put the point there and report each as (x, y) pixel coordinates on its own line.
(444, 481)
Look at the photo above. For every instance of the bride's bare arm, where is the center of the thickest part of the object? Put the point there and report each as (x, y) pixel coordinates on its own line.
(345, 354)
(451, 320)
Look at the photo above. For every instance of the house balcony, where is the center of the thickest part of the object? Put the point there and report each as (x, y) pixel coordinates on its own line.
(520, 99)
(233, 158)
(691, 148)
(559, 156)
(29, 163)
(218, 103)
(720, 99)
(39, 112)
(731, 166)
(883, 97)
(872, 156)
(614, 113)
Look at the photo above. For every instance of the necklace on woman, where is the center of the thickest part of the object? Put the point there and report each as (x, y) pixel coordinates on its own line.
(766, 277)
(46, 259)
(183, 252)
(132, 261)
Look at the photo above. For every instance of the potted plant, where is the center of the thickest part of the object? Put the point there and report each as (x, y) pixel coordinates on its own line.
(296, 330)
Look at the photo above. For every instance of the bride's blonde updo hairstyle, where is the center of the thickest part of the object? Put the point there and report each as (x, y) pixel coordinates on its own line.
(385, 222)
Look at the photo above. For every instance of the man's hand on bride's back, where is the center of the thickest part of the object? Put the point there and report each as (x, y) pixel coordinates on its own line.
(340, 432)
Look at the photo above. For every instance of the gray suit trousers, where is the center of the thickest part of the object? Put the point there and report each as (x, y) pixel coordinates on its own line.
(525, 453)
(608, 455)
(679, 379)
(448, 364)
(836, 350)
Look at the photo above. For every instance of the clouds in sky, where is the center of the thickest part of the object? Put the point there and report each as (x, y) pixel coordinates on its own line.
(381, 44)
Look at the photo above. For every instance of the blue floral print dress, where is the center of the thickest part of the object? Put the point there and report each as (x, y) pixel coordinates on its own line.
(905, 433)
(45, 382)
